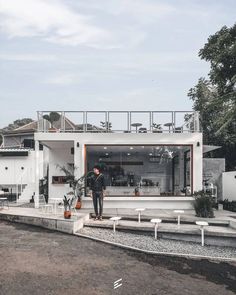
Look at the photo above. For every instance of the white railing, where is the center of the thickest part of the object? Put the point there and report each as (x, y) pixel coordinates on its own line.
(121, 121)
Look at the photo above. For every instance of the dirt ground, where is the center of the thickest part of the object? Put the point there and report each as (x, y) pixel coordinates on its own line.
(37, 261)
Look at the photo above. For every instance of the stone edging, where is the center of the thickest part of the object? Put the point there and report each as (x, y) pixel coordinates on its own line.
(191, 256)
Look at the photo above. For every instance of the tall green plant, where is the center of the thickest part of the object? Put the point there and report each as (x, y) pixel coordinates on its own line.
(68, 201)
(78, 185)
(52, 117)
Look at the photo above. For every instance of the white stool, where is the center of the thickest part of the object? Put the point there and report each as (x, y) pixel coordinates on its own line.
(179, 212)
(202, 224)
(115, 222)
(139, 210)
(156, 222)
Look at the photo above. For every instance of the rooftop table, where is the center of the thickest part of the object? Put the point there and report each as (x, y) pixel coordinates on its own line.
(169, 125)
(136, 125)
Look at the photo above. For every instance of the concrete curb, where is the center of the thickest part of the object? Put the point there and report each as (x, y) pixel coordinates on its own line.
(168, 254)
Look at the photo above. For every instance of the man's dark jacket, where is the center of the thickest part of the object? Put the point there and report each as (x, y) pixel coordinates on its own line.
(97, 183)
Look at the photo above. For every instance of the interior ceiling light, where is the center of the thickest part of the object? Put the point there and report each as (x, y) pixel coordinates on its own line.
(131, 148)
(107, 154)
(150, 154)
(128, 154)
(105, 148)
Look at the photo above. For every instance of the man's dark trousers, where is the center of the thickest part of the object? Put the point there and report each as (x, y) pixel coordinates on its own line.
(98, 199)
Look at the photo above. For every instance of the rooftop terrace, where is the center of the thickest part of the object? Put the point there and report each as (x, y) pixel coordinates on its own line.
(119, 121)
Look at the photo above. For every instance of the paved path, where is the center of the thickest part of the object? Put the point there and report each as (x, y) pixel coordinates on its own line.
(40, 262)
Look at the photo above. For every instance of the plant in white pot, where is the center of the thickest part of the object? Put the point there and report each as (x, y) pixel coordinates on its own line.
(52, 118)
(156, 128)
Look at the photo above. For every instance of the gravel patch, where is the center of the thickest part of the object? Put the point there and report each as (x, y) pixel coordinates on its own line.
(159, 245)
(26, 205)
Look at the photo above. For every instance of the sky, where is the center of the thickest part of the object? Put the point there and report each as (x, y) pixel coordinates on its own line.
(103, 54)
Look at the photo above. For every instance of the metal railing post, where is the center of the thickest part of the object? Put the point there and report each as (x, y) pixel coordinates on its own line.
(106, 121)
(86, 123)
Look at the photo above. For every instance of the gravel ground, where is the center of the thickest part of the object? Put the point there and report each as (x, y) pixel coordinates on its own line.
(42, 262)
(27, 205)
(160, 245)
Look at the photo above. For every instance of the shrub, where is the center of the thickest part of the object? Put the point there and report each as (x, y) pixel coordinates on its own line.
(203, 204)
(230, 206)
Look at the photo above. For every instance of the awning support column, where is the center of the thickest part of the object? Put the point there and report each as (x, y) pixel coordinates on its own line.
(36, 196)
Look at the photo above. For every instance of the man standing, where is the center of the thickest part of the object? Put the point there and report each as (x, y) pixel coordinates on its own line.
(97, 187)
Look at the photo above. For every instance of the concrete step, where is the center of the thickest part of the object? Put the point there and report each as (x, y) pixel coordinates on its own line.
(215, 235)
(184, 219)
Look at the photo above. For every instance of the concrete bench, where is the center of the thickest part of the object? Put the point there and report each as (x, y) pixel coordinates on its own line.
(156, 221)
(179, 212)
(115, 220)
(202, 224)
(139, 210)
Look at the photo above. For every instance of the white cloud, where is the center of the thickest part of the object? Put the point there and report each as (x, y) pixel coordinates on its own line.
(51, 20)
(143, 11)
(63, 79)
(27, 57)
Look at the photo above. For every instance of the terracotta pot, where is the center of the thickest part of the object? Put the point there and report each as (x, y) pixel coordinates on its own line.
(78, 205)
(52, 129)
(67, 214)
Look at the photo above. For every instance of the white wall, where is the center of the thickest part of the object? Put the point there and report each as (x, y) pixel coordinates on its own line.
(59, 155)
(229, 185)
(14, 174)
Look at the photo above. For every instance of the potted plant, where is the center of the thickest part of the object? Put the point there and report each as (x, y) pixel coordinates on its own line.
(136, 191)
(67, 201)
(51, 118)
(203, 204)
(77, 184)
(157, 128)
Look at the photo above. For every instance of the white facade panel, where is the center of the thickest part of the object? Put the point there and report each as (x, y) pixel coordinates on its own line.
(229, 185)
(60, 145)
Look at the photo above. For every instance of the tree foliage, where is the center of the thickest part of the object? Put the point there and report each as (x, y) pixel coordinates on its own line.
(52, 117)
(215, 97)
(16, 124)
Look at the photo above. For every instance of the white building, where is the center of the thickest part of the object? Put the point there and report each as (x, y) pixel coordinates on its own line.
(160, 153)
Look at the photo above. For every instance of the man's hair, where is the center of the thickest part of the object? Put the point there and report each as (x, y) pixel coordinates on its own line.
(97, 167)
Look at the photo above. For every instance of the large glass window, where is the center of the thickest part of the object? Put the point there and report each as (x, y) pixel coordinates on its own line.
(143, 169)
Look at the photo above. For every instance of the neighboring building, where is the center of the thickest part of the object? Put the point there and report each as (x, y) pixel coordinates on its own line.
(17, 160)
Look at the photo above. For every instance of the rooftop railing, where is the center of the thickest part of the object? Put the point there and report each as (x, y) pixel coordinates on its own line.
(119, 121)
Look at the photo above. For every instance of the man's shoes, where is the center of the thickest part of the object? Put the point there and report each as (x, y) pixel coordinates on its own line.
(100, 218)
(96, 218)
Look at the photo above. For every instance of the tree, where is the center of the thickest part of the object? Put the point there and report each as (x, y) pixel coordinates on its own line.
(16, 124)
(215, 98)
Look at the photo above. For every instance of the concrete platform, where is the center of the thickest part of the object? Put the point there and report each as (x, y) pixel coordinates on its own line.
(214, 235)
(222, 229)
(222, 217)
(50, 221)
